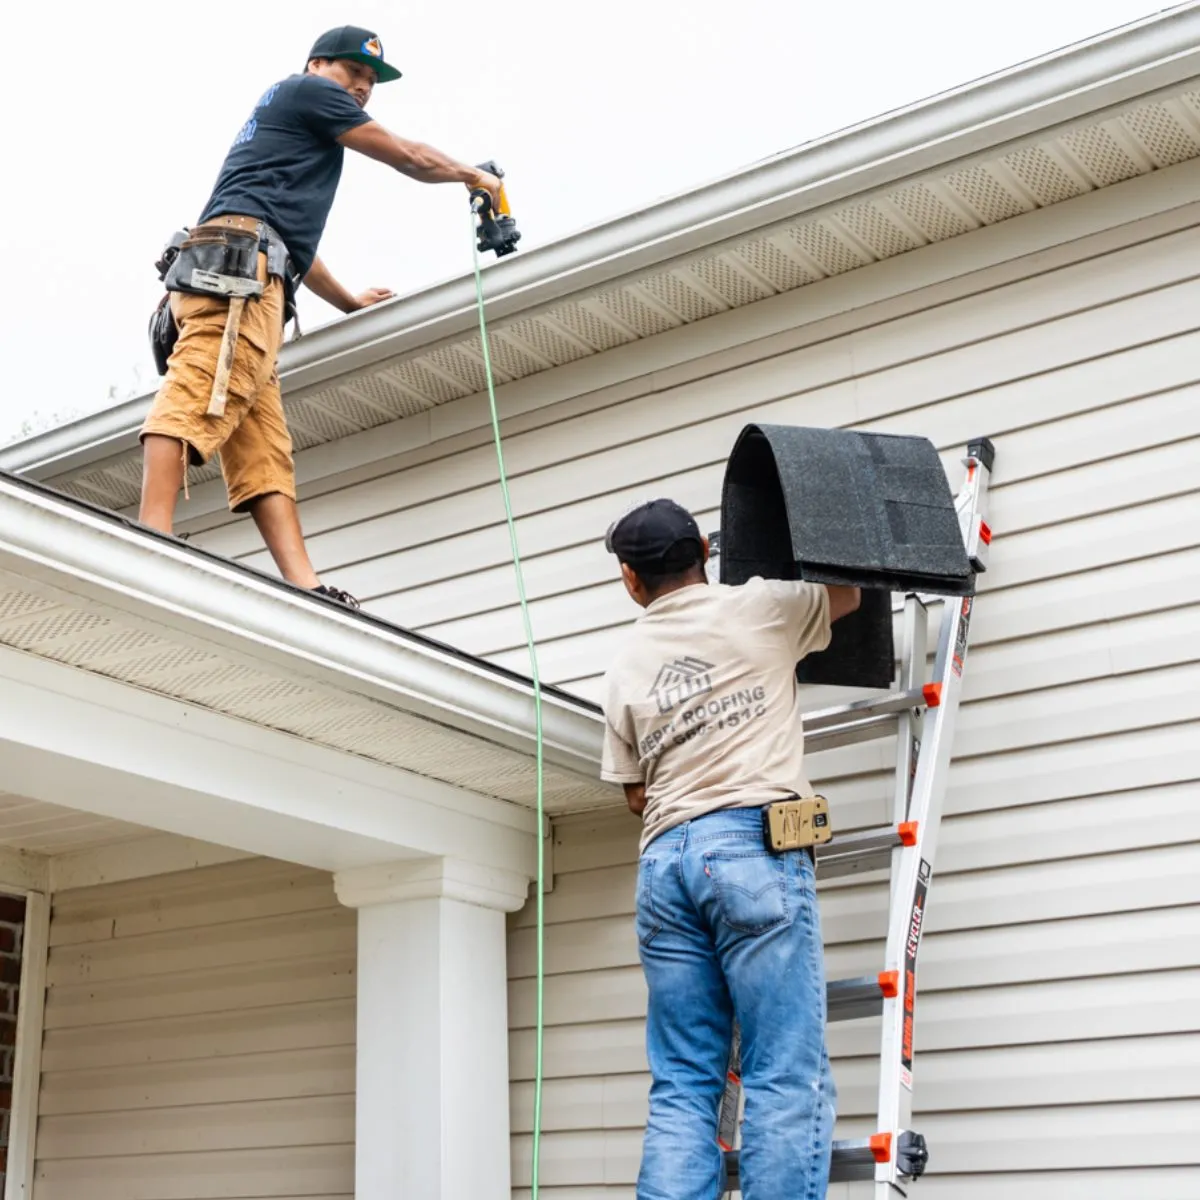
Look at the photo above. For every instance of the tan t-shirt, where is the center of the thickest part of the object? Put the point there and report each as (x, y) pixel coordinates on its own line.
(701, 704)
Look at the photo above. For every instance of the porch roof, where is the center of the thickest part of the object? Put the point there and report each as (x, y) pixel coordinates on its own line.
(83, 587)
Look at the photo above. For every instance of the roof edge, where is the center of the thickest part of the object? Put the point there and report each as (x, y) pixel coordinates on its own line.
(110, 561)
(1111, 68)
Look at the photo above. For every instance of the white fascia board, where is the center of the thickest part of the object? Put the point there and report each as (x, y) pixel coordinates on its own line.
(79, 740)
(100, 559)
(1158, 52)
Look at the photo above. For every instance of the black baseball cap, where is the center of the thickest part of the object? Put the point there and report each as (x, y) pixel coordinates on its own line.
(361, 45)
(659, 534)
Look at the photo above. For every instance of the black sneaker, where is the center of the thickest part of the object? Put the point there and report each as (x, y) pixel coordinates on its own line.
(337, 594)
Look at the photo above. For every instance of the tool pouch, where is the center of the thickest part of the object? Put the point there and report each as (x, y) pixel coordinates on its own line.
(163, 333)
(176, 271)
(796, 824)
(290, 310)
(170, 252)
(216, 261)
(162, 329)
(279, 264)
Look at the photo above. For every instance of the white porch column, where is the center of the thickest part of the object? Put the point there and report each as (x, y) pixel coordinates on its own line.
(432, 1086)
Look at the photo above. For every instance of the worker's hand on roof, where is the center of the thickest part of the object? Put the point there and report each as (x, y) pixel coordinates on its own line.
(373, 296)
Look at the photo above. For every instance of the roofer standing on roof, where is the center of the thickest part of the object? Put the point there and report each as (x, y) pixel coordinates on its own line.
(703, 728)
(277, 183)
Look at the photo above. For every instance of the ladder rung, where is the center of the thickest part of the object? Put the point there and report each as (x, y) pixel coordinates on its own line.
(889, 702)
(850, 733)
(849, 724)
(854, 853)
(849, 999)
(852, 1160)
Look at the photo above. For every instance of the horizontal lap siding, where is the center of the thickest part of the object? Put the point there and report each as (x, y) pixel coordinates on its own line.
(199, 1039)
(1060, 989)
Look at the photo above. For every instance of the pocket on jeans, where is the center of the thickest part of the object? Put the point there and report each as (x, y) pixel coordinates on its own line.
(647, 921)
(750, 889)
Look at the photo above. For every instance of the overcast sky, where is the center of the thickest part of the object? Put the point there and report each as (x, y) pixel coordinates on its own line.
(119, 118)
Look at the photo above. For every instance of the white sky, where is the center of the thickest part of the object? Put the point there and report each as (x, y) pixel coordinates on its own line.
(592, 110)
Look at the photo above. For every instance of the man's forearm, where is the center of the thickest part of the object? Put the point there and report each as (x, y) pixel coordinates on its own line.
(321, 283)
(414, 159)
(427, 164)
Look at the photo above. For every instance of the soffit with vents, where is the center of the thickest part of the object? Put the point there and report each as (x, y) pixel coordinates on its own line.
(51, 624)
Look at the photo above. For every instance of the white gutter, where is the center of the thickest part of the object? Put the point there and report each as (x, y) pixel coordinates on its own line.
(1160, 51)
(107, 561)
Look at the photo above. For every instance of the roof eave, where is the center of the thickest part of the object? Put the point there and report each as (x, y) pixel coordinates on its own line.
(108, 561)
(1111, 69)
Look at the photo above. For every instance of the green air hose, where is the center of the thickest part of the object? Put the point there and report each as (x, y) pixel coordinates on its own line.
(537, 709)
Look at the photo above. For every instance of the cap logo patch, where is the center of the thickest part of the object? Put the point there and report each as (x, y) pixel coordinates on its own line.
(372, 47)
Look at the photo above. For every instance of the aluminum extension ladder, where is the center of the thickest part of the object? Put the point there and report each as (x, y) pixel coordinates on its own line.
(923, 712)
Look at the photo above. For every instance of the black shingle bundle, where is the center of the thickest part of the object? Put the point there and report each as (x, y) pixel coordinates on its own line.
(838, 506)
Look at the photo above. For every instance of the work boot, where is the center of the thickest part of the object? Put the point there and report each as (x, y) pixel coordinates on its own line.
(337, 594)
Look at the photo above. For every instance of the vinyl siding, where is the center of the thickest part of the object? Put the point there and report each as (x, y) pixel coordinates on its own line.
(1059, 995)
(199, 1039)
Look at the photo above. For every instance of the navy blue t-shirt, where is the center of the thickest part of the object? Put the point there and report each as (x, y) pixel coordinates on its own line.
(285, 164)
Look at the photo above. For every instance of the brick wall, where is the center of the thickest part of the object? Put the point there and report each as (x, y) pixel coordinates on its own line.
(12, 927)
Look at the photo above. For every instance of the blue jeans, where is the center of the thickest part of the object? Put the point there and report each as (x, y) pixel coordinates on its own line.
(727, 930)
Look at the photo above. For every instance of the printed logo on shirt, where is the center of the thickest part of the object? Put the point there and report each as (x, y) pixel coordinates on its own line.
(247, 131)
(373, 47)
(679, 681)
(729, 711)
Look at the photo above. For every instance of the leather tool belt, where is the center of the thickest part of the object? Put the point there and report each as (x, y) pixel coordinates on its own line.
(218, 258)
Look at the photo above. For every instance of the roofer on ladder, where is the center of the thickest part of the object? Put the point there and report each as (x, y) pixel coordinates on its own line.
(257, 235)
(703, 729)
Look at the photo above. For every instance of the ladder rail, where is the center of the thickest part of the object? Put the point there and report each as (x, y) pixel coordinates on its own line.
(911, 723)
(912, 871)
(912, 865)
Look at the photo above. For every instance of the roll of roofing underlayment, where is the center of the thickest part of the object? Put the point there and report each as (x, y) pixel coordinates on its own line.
(838, 506)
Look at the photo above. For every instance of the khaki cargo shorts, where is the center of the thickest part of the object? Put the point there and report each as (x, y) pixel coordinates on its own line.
(252, 435)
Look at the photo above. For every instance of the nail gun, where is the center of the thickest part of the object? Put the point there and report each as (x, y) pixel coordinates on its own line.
(496, 230)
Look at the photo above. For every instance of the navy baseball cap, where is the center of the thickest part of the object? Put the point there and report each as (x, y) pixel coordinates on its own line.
(659, 534)
(360, 45)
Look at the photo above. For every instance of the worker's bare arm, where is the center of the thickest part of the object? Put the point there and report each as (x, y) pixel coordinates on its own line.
(321, 282)
(842, 600)
(417, 160)
(635, 797)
